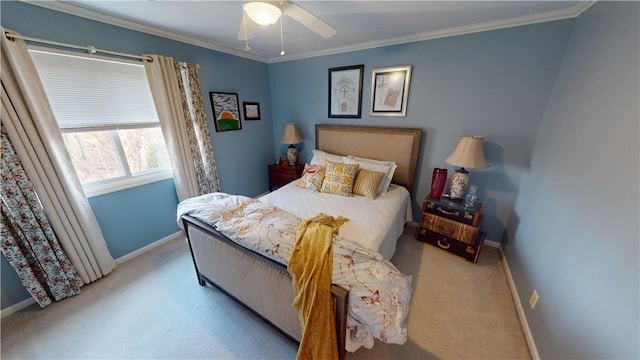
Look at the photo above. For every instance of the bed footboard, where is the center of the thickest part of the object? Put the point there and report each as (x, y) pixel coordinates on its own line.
(260, 284)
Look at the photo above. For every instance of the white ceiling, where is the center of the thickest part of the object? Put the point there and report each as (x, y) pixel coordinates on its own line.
(360, 24)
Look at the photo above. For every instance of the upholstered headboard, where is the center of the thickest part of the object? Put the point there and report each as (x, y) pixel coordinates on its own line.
(381, 143)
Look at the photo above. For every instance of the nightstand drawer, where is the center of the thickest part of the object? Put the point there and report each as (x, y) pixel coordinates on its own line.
(280, 178)
(281, 175)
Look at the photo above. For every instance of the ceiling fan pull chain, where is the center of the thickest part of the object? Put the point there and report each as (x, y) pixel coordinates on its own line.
(281, 38)
(244, 22)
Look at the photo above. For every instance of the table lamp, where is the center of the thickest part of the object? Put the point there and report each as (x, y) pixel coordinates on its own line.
(291, 137)
(468, 154)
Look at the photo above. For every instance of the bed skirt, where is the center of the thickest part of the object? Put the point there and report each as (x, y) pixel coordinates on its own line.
(260, 284)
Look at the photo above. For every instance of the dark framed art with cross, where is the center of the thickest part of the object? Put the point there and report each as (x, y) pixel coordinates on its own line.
(345, 91)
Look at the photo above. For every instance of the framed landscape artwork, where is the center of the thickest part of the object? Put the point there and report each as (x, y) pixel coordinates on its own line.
(389, 91)
(345, 91)
(226, 111)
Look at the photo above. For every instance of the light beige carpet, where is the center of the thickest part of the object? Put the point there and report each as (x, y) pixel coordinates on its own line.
(152, 307)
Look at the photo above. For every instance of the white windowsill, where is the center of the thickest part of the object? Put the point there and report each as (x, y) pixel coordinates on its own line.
(96, 189)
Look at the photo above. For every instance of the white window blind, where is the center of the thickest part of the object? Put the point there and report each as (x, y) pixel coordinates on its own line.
(89, 93)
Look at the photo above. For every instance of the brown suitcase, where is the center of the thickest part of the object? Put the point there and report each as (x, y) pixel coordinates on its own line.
(468, 252)
(450, 228)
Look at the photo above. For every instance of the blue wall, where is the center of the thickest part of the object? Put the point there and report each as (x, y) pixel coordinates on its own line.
(494, 84)
(575, 227)
(118, 212)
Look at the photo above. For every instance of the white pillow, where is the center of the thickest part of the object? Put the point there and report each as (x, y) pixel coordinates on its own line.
(373, 161)
(318, 157)
(388, 170)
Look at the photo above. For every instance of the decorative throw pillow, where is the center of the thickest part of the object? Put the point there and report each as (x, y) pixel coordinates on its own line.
(318, 157)
(312, 177)
(389, 170)
(339, 178)
(367, 183)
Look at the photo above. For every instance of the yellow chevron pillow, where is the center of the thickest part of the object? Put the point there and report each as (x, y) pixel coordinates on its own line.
(338, 178)
(367, 183)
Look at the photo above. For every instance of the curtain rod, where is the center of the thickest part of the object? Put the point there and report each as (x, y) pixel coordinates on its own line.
(91, 49)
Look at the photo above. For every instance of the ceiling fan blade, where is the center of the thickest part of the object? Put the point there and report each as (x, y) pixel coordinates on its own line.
(251, 28)
(309, 20)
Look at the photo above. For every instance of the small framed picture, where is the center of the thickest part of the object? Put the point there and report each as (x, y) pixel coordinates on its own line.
(251, 110)
(390, 90)
(226, 111)
(345, 91)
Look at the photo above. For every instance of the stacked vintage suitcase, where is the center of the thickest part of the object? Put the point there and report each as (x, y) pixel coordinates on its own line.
(451, 226)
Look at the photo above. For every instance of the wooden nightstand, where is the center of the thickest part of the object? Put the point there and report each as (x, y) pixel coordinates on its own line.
(452, 226)
(280, 175)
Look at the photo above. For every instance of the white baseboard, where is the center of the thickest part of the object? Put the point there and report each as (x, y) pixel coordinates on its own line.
(30, 301)
(494, 244)
(17, 307)
(261, 195)
(144, 249)
(533, 350)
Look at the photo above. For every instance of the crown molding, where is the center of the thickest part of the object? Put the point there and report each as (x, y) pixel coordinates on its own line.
(131, 25)
(554, 15)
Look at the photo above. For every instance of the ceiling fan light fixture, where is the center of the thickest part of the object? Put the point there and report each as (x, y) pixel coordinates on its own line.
(262, 13)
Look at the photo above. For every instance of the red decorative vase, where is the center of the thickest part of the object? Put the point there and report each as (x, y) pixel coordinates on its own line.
(438, 180)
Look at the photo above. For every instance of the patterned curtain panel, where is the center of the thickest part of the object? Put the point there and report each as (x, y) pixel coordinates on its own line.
(30, 124)
(197, 128)
(28, 241)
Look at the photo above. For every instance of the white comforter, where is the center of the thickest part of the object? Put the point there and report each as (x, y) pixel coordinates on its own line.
(379, 295)
(375, 224)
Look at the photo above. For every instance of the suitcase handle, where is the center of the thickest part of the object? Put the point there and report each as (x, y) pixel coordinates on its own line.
(443, 246)
(455, 213)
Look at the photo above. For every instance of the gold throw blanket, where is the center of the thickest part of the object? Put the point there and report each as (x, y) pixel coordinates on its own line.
(311, 267)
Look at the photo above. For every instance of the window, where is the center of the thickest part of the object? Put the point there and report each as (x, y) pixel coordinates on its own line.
(107, 117)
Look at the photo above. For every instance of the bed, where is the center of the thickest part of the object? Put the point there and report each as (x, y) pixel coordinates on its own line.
(258, 278)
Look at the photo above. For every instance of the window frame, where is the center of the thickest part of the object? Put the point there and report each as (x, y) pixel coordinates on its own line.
(129, 179)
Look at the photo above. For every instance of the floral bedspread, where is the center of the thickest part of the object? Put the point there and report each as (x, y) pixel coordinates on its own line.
(379, 294)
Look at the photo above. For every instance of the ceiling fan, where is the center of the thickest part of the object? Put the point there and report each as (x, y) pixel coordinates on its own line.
(268, 12)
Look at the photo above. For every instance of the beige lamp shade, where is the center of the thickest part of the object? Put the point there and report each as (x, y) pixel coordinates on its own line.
(291, 135)
(469, 153)
(262, 13)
